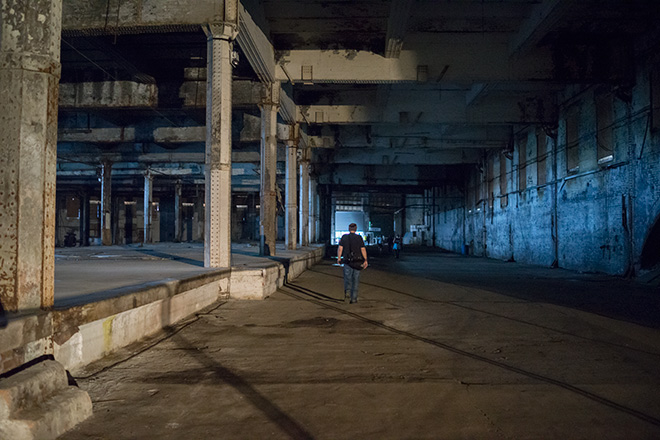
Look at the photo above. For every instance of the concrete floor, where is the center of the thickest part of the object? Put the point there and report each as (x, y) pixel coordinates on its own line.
(439, 346)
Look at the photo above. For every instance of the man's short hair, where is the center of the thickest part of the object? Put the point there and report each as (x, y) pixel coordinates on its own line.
(352, 227)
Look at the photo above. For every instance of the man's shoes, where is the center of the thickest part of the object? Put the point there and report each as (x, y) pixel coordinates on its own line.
(353, 301)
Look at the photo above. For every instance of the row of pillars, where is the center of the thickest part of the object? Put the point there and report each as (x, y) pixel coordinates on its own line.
(106, 206)
(29, 84)
(218, 163)
(308, 197)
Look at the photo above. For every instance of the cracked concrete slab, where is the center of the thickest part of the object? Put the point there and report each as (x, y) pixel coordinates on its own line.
(438, 346)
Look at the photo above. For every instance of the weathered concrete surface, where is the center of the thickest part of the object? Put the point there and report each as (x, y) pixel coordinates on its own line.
(108, 297)
(38, 403)
(29, 76)
(595, 215)
(130, 16)
(108, 94)
(439, 346)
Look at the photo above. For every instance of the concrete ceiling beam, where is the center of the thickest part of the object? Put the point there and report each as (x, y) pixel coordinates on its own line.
(543, 18)
(193, 90)
(256, 47)
(138, 16)
(452, 59)
(111, 135)
(109, 94)
(396, 27)
(385, 175)
(403, 156)
(501, 112)
(476, 94)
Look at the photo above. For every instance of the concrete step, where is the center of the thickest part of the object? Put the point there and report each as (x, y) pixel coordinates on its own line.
(38, 403)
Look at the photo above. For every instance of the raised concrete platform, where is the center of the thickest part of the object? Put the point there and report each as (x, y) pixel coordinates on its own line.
(109, 297)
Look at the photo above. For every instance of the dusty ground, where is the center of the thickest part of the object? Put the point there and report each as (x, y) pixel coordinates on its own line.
(439, 346)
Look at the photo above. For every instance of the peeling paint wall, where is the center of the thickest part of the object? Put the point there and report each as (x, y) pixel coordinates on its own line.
(587, 212)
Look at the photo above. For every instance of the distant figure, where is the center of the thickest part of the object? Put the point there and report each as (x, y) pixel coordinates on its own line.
(351, 249)
(397, 245)
(390, 243)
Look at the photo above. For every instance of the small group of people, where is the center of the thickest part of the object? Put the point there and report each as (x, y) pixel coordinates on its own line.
(352, 253)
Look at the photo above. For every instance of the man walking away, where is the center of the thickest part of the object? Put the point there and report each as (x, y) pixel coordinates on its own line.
(351, 249)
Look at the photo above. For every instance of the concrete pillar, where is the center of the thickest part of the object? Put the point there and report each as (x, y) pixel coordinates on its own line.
(304, 198)
(313, 215)
(333, 211)
(178, 230)
(198, 216)
(148, 185)
(291, 194)
(268, 209)
(29, 77)
(106, 203)
(217, 226)
(84, 218)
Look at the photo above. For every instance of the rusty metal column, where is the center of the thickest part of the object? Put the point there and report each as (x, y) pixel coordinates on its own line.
(217, 221)
(313, 210)
(304, 197)
(148, 184)
(268, 209)
(291, 189)
(84, 218)
(106, 203)
(178, 230)
(29, 77)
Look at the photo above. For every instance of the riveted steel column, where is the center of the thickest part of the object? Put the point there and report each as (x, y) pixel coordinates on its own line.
(304, 197)
(313, 210)
(106, 203)
(268, 209)
(178, 230)
(217, 225)
(148, 185)
(29, 77)
(291, 189)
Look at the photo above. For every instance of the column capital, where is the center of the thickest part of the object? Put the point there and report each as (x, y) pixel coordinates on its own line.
(221, 31)
(271, 95)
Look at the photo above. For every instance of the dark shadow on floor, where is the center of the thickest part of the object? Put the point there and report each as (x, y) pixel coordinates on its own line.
(604, 295)
(572, 388)
(222, 374)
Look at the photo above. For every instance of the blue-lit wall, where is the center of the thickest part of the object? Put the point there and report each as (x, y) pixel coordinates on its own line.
(594, 219)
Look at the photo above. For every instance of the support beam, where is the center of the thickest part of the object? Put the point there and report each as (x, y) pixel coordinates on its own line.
(268, 209)
(178, 230)
(304, 198)
(312, 210)
(148, 187)
(217, 229)
(84, 17)
(542, 19)
(84, 218)
(29, 76)
(256, 47)
(291, 191)
(106, 203)
(470, 58)
(396, 27)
